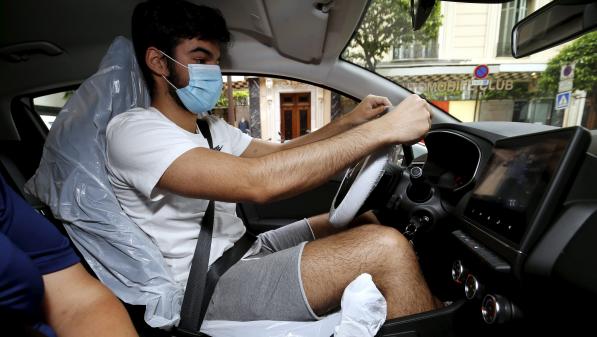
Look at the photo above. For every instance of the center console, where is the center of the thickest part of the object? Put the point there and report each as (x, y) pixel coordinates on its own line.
(521, 186)
(515, 198)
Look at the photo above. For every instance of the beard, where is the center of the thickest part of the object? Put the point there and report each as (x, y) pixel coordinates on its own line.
(174, 79)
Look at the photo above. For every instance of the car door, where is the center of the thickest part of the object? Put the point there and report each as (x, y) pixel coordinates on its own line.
(261, 218)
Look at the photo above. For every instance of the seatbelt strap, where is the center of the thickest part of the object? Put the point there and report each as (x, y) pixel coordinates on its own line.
(190, 311)
(204, 128)
(202, 283)
(221, 266)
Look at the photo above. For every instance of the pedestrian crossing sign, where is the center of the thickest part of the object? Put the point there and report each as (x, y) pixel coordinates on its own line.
(562, 100)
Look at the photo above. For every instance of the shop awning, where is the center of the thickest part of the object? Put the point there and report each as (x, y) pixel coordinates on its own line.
(436, 73)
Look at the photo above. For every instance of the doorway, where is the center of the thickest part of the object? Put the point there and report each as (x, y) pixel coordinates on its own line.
(295, 114)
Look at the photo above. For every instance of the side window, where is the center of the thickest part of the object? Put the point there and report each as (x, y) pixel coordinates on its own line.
(48, 106)
(279, 109)
(268, 108)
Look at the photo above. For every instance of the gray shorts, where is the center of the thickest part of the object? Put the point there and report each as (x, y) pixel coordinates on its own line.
(266, 285)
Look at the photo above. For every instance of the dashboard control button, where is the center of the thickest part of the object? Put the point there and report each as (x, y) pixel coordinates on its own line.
(416, 172)
(490, 309)
(458, 272)
(472, 287)
(498, 309)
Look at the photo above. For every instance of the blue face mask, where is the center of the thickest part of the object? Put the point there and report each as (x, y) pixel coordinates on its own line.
(203, 91)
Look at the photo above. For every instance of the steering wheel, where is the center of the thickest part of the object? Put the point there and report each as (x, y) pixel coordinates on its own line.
(358, 183)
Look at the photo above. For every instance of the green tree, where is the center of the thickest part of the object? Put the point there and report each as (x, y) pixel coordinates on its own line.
(241, 97)
(583, 53)
(387, 24)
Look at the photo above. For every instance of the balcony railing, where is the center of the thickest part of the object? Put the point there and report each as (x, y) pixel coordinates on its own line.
(416, 50)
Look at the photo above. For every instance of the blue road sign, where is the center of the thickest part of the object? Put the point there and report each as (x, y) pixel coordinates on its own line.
(562, 100)
(481, 71)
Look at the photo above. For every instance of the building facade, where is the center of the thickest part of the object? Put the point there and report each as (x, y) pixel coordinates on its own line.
(473, 35)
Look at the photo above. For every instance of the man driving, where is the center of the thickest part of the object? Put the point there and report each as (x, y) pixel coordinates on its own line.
(164, 173)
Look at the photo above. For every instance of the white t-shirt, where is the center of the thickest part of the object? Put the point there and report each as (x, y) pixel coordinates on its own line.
(141, 145)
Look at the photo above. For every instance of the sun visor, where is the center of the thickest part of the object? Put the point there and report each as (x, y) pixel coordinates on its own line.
(299, 27)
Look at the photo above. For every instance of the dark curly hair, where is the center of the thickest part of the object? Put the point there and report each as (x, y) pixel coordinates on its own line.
(162, 24)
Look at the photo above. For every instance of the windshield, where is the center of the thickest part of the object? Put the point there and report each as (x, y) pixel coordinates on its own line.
(461, 60)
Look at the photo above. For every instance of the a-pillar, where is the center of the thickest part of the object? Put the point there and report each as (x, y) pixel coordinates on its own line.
(254, 110)
(336, 109)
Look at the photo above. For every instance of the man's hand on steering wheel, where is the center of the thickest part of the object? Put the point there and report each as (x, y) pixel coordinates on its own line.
(408, 122)
(369, 108)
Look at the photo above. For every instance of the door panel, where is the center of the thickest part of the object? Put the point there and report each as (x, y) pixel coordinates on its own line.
(261, 218)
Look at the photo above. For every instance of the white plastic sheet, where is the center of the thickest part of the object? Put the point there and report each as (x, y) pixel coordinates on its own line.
(72, 181)
(364, 309)
(322, 328)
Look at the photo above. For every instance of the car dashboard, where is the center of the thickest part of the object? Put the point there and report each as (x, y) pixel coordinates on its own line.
(505, 222)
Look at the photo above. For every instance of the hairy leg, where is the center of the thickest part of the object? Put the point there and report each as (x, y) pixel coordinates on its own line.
(329, 264)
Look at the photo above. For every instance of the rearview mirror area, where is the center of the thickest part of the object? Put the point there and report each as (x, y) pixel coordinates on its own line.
(553, 24)
(420, 11)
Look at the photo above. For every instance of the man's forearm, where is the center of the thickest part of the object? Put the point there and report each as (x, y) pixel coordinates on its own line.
(370, 108)
(336, 127)
(295, 170)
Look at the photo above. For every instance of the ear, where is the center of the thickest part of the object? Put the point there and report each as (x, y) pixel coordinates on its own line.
(156, 61)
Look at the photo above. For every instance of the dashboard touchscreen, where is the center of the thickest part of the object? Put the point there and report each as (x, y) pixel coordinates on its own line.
(515, 181)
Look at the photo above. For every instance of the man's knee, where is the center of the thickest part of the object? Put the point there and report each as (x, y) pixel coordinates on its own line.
(389, 241)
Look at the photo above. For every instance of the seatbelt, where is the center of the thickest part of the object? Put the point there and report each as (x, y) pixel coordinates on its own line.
(201, 283)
